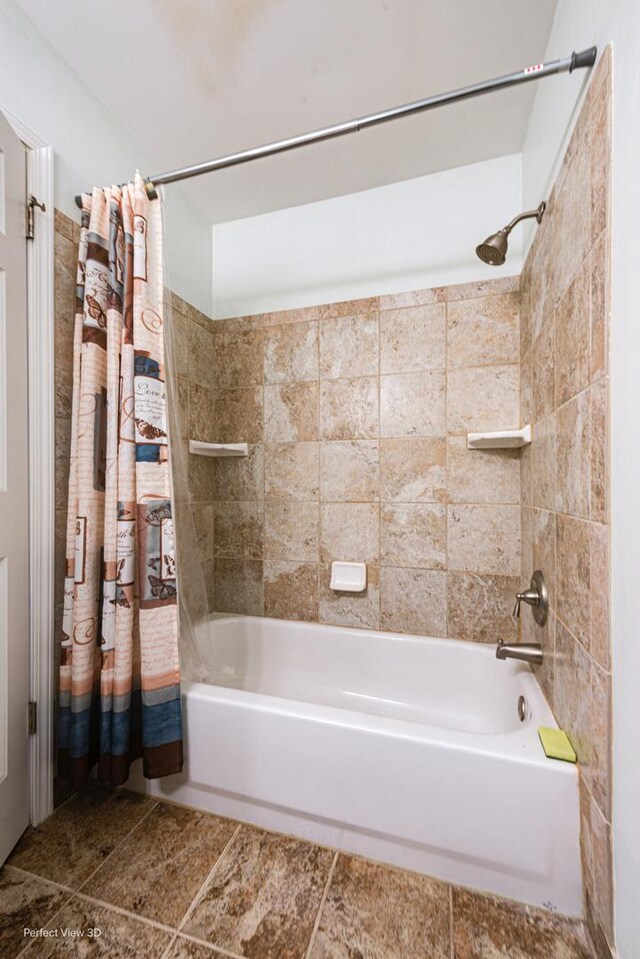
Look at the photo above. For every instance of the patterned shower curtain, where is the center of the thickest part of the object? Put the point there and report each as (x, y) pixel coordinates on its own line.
(119, 665)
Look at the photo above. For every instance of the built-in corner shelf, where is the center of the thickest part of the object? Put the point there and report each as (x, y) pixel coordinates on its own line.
(500, 440)
(218, 449)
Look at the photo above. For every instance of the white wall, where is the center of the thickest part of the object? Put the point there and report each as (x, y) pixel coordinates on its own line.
(91, 149)
(578, 24)
(409, 235)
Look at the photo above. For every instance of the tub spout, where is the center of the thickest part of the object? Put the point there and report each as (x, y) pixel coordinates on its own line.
(526, 652)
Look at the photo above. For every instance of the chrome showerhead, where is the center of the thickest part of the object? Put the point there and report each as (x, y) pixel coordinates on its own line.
(494, 249)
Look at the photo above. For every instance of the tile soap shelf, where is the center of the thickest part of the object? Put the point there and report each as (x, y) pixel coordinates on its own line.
(500, 440)
(218, 449)
(348, 577)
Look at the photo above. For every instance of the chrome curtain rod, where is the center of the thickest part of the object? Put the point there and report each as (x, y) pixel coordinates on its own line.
(586, 58)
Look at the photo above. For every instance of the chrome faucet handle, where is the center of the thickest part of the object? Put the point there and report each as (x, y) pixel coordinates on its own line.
(537, 597)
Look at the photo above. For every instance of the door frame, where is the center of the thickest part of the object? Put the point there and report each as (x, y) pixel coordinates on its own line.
(41, 392)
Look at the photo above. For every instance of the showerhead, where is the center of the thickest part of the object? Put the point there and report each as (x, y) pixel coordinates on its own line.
(494, 249)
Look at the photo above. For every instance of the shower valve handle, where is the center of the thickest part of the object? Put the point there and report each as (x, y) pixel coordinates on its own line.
(530, 596)
(537, 596)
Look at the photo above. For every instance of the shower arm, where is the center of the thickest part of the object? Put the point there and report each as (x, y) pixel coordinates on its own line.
(576, 61)
(537, 213)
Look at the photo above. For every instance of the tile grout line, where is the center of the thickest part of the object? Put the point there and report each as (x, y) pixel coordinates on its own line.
(375, 376)
(167, 950)
(447, 499)
(215, 950)
(154, 924)
(321, 457)
(325, 894)
(57, 885)
(201, 889)
(110, 906)
(34, 875)
(262, 506)
(91, 874)
(117, 847)
(378, 503)
(23, 951)
(393, 502)
(553, 604)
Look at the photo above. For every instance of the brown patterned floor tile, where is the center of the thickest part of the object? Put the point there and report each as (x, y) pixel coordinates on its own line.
(94, 931)
(263, 897)
(488, 928)
(372, 912)
(71, 843)
(26, 902)
(186, 949)
(160, 868)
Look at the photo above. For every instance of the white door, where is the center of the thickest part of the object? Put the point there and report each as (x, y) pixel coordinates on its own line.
(14, 532)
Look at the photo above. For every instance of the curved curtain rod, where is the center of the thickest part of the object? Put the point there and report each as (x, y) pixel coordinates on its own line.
(584, 59)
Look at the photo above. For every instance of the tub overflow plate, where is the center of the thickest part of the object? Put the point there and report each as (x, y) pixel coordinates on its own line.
(522, 708)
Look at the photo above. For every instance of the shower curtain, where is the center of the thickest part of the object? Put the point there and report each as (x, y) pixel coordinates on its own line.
(119, 664)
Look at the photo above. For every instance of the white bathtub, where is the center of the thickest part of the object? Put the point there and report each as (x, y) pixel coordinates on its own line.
(402, 748)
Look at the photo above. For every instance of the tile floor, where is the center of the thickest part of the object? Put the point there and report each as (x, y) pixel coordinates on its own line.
(165, 882)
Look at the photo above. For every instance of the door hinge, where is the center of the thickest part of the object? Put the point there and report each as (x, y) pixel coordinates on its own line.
(33, 718)
(32, 202)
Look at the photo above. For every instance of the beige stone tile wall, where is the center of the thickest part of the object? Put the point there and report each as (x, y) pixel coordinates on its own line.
(356, 452)
(191, 342)
(356, 414)
(565, 486)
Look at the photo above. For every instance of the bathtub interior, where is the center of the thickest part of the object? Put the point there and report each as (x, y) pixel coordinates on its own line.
(454, 685)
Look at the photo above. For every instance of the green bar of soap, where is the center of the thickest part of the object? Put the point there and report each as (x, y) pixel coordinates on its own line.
(556, 745)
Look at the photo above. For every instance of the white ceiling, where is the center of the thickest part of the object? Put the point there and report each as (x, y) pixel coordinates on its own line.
(195, 79)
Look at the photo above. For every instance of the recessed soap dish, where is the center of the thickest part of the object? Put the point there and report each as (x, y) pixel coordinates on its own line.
(349, 577)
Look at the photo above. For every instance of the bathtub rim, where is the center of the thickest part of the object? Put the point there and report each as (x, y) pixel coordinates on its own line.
(521, 743)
